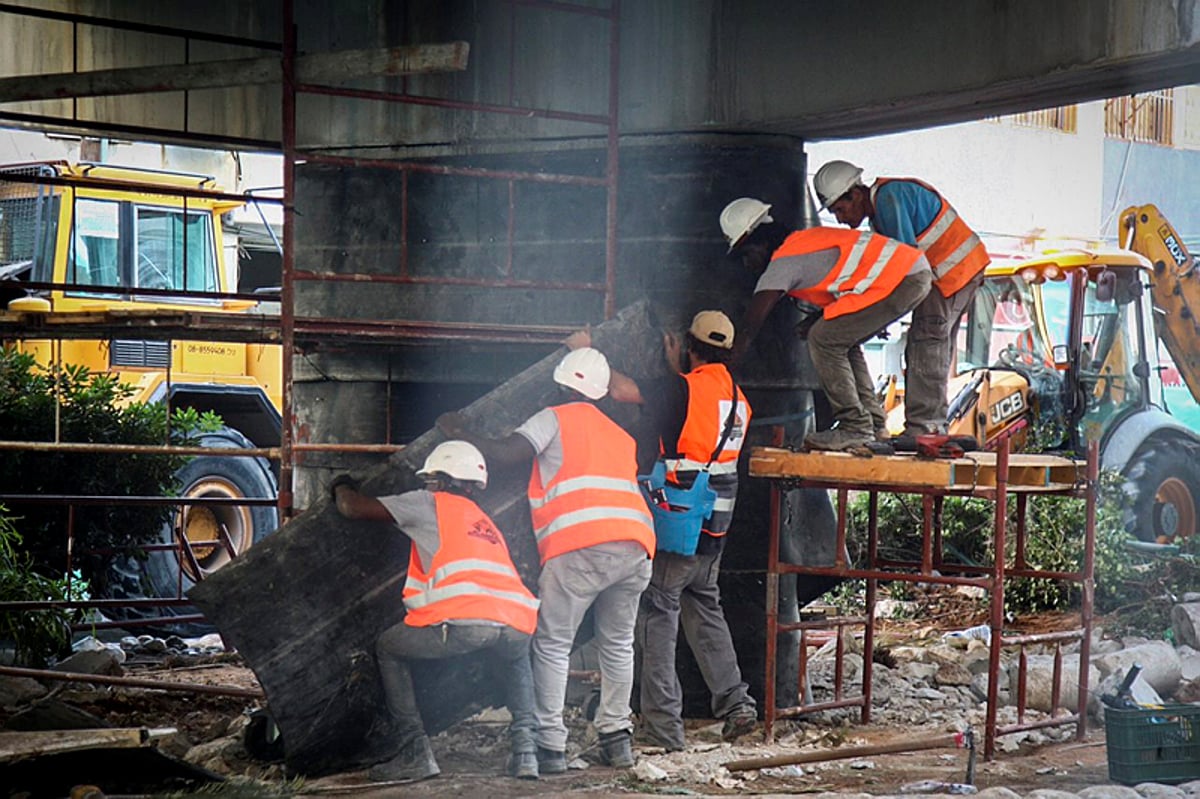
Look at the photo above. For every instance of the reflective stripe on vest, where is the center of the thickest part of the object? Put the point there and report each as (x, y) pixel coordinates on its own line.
(709, 402)
(580, 484)
(471, 576)
(868, 269)
(593, 498)
(432, 595)
(689, 465)
(954, 251)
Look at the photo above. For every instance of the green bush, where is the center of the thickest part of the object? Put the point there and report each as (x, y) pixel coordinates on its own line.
(1053, 542)
(37, 635)
(87, 408)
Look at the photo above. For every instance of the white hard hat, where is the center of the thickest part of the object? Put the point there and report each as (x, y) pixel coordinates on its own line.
(458, 459)
(585, 370)
(741, 217)
(835, 179)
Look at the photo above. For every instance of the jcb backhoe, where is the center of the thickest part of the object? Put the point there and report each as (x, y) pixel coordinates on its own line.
(1063, 349)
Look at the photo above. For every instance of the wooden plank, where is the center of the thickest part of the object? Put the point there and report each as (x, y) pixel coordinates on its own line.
(328, 67)
(16, 746)
(1032, 472)
(305, 605)
(841, 467)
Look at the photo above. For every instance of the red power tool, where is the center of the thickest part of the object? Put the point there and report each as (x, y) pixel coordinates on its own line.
(927, 445)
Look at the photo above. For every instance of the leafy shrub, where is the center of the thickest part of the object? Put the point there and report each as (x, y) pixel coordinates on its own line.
(87, 408)
(1053, 542)
(36, 634)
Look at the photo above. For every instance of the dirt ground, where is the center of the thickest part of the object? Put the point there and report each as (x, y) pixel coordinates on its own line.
(472, 754)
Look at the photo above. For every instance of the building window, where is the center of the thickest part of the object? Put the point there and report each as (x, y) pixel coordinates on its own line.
(1061, 118)
(1146, 117)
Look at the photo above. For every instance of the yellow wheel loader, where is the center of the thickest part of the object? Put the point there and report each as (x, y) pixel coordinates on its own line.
(118, 240)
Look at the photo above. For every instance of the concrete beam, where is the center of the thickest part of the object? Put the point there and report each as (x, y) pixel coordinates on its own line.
(329, 67)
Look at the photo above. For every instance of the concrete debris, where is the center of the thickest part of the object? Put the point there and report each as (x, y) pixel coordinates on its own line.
(937, 787)
(1154, 790)
(648, 772)
(16, 691)
(1185, 623)
(1109, 792)
(104, 660)
(1049, 793)
(1160, 664)
(151, 646)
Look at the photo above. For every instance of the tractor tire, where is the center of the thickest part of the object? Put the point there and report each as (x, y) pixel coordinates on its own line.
(1163, 482)
(159, 574)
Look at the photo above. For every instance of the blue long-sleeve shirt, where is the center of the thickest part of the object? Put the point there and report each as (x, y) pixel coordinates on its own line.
(903, 209)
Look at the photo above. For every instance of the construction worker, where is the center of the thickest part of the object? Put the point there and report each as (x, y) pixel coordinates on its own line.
(462, 594)
(915, 213)
(702, 417)
(859, 283)
(595, 537)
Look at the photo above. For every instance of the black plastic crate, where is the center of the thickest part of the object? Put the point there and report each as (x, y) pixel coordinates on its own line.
(1153, 744)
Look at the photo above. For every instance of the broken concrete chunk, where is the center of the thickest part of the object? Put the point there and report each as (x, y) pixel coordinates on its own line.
(93, 661)
(1159, 661)
(16, 691)
(1185, 622)
(648, 772)
(1040, 679)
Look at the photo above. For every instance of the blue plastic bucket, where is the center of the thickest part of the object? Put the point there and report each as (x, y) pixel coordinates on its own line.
(677, 526)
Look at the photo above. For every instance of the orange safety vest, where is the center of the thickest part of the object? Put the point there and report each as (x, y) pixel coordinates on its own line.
(955, 253)
(472, 575)
(594, 496)
(868, 269)
(710, 397)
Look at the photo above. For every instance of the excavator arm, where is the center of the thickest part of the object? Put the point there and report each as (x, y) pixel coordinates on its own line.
(1175, 289)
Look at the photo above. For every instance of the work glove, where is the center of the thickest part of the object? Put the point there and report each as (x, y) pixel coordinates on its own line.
(341, 480)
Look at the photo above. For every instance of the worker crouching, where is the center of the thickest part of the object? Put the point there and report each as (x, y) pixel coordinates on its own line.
(462, 594)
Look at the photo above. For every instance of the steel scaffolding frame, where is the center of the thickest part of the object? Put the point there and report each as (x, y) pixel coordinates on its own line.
(995, 486)
(288, 329)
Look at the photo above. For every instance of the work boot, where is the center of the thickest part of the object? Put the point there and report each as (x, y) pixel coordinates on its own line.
(523, 765)
(738, 723)
(646, 737)
(837, 439)
(414, 762)
(616, 749)
(550, 761)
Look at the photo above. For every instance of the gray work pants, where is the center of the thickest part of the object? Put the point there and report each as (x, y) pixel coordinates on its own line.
(509, 651)
(927, 356)
(611, 577)
(838, 358)
(685, 587)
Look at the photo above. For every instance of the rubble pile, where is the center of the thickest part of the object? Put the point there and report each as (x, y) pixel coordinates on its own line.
(928, 684)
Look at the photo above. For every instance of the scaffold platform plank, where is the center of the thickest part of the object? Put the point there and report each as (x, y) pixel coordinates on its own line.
(974, 470)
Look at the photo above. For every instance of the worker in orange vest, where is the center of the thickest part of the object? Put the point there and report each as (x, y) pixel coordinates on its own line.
(915, 213)
(595, 537)
(856, 283)
(701, 417)
(462, 594)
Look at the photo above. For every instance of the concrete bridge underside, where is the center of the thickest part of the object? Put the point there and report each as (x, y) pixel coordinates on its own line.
(809, 68)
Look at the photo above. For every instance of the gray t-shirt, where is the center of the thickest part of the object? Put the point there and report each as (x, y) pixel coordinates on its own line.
(541, 431)
(415, 512)
(795, 272)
